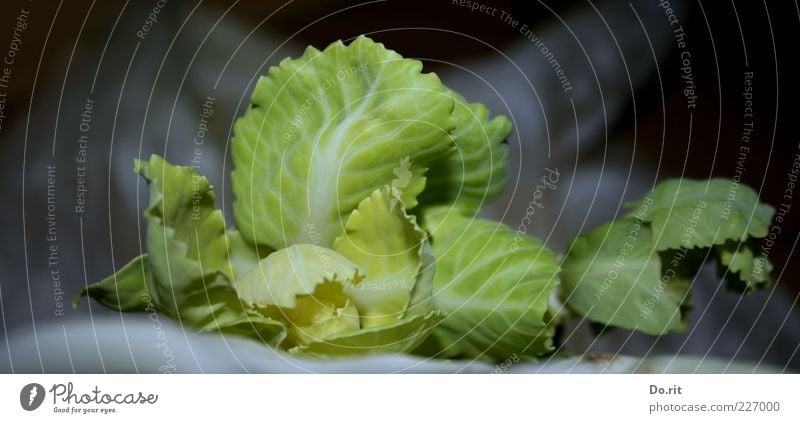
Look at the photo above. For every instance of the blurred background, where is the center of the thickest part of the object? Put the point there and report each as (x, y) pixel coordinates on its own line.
(648, 90)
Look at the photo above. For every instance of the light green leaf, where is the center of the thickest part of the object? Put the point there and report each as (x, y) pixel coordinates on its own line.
(293, 271)
(188, 254)
(401, 336)
(701, 213)
(125, 290)
(476, 173)
(612, 275)
(409, 181)
(243, 256)
(494, 284)
(324, 131)
(745, 271)
(249, 324)
(325, 313)
(421, 301)
(185, 234)
(303, 287)
(386, 243)
(214, 307)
